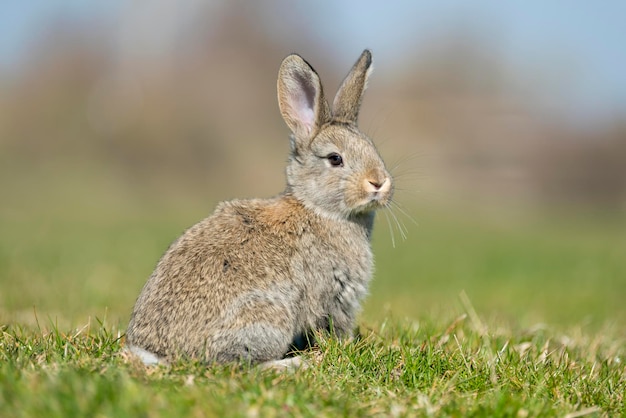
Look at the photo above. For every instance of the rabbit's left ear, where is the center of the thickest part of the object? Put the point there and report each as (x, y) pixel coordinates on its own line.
(348, 99)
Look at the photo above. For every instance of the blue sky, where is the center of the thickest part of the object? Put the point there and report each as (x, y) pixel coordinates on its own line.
(583, 42)
(22, 21)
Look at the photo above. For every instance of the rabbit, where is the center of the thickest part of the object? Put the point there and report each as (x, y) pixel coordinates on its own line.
(258, 276)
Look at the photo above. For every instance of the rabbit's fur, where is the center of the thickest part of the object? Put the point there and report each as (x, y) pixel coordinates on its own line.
(259, 275)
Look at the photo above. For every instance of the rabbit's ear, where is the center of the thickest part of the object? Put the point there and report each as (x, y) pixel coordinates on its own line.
(300, 97)
(348, 99)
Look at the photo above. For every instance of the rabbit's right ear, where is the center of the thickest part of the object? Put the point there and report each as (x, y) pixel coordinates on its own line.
(300, 97)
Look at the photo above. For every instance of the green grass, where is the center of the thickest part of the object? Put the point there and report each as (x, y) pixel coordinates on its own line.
(471, 316)
(399, 369)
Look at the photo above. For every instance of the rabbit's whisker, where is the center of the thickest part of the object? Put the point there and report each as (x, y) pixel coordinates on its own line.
(404, 212)
(401, 228)
(393, 238)
(404, 159)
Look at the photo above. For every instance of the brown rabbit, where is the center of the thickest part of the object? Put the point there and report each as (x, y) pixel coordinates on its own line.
(258, 275)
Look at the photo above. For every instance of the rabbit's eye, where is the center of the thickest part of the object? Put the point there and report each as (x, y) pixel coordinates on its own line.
(335, 159)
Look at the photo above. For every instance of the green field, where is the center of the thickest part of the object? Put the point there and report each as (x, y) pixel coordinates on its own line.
(473, 315)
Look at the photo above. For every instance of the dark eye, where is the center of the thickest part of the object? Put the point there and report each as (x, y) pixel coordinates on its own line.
(335, 159)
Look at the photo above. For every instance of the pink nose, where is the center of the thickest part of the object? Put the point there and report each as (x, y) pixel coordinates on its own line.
(376, 185)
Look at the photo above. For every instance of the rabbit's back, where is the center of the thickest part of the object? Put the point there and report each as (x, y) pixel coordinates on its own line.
(253, 276)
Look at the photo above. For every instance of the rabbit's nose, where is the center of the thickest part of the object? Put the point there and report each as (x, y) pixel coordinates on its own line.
(376, 185)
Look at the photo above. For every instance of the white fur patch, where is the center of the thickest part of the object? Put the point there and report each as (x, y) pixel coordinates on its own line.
(148, 358)
(286, 364)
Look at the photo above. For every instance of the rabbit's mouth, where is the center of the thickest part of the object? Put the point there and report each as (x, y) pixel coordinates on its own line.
(374, 201)
(379, 200)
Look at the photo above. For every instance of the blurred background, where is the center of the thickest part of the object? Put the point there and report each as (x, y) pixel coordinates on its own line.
(123, 123)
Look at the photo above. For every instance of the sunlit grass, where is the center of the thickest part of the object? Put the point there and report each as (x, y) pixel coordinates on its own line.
(400, 368)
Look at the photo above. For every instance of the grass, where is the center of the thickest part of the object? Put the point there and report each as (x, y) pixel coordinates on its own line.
(399, 369)
(472, 316)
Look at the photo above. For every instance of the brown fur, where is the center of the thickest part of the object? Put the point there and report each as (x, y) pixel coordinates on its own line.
(249, 280)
